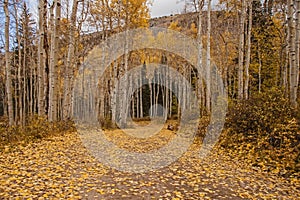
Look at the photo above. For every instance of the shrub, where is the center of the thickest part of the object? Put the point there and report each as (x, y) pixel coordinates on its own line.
(35, 129)
(260, 114)
(264, 130)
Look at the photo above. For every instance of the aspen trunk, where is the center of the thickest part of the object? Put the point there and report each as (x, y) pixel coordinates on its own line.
(8, 67)
(248, 55)
(208, 72)
(124, 108)
(53, 74)
(200, 46)
(292, 54)
(70, 64)
(114, 94)
(151, 98)
(42, 58)
(285, 70)
(141, 97)
(19, 91)
(23, 111)
(297, 44)
(241, 51)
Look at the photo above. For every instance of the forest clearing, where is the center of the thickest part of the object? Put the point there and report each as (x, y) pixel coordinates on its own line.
(61, 168)
(100, 100)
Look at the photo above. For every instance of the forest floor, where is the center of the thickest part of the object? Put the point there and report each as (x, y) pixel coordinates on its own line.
(62, 168)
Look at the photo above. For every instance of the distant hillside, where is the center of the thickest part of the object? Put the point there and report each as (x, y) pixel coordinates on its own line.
(184, 20)
(218, 19)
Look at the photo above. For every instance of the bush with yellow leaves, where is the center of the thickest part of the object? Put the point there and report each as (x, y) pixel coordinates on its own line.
(35, 129)
(264, 131)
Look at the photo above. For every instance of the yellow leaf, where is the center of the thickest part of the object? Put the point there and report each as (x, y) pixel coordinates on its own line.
(101, 191)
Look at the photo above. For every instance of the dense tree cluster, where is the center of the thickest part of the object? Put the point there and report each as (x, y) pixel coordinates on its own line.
(42, 53)
(255, 45)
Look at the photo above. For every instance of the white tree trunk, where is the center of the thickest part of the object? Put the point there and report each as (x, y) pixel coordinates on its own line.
(208, 72)
(22, 112)
(141, 97)
(241, 51)
(114, 94)
(53, 67)
(248, 55)
(70, 64)
(297, 43)
(292, 54)
(151, 97)
(124, 107)
(19, 91)
(8, 67)
(200, 47)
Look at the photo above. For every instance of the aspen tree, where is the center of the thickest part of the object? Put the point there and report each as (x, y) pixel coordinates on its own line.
(8, 66)
(241, 51)
(53, 67)
(292, 54)
(248, 53)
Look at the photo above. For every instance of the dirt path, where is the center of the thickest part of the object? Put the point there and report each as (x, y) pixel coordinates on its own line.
(61, 168)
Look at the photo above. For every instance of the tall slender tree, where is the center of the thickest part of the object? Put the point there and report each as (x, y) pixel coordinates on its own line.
(292, 54)
(68, 78)
(208, 62)
(8, 66)
(297, 41)
(41, 56)
(200, 51)
(19, 92)
(248, 53)
(241, 50)
(53, 67)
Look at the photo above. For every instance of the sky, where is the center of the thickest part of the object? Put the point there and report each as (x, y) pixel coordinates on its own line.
(166, 7)
(159, 8)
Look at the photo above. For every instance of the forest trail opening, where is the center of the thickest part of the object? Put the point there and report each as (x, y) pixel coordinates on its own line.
(61, 167)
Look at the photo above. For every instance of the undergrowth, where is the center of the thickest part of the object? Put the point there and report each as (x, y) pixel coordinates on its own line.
(264, 132)
(36, 128)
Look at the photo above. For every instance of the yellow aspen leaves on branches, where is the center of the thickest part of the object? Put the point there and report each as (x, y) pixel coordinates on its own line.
(132, 13)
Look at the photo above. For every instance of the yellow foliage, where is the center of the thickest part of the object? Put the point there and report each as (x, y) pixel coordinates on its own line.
(193, 30)
(174, 26)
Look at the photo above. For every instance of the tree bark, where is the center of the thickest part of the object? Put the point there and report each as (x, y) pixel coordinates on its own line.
(8, 66)
(19, 92)
(53, 101)
(248, 55)
(208, 71)
(200, 49)
(292, 54)
(124, 108)
(241, 51)
(25, 89)
(141, 111)
(70, 64)
(297, 44)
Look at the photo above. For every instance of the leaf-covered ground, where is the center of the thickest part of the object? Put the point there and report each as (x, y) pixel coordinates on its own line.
(62, 168)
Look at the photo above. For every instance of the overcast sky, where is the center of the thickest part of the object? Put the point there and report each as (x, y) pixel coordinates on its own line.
(165, 7)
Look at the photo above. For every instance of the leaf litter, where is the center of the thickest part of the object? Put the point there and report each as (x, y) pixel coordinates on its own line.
(62, 168)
